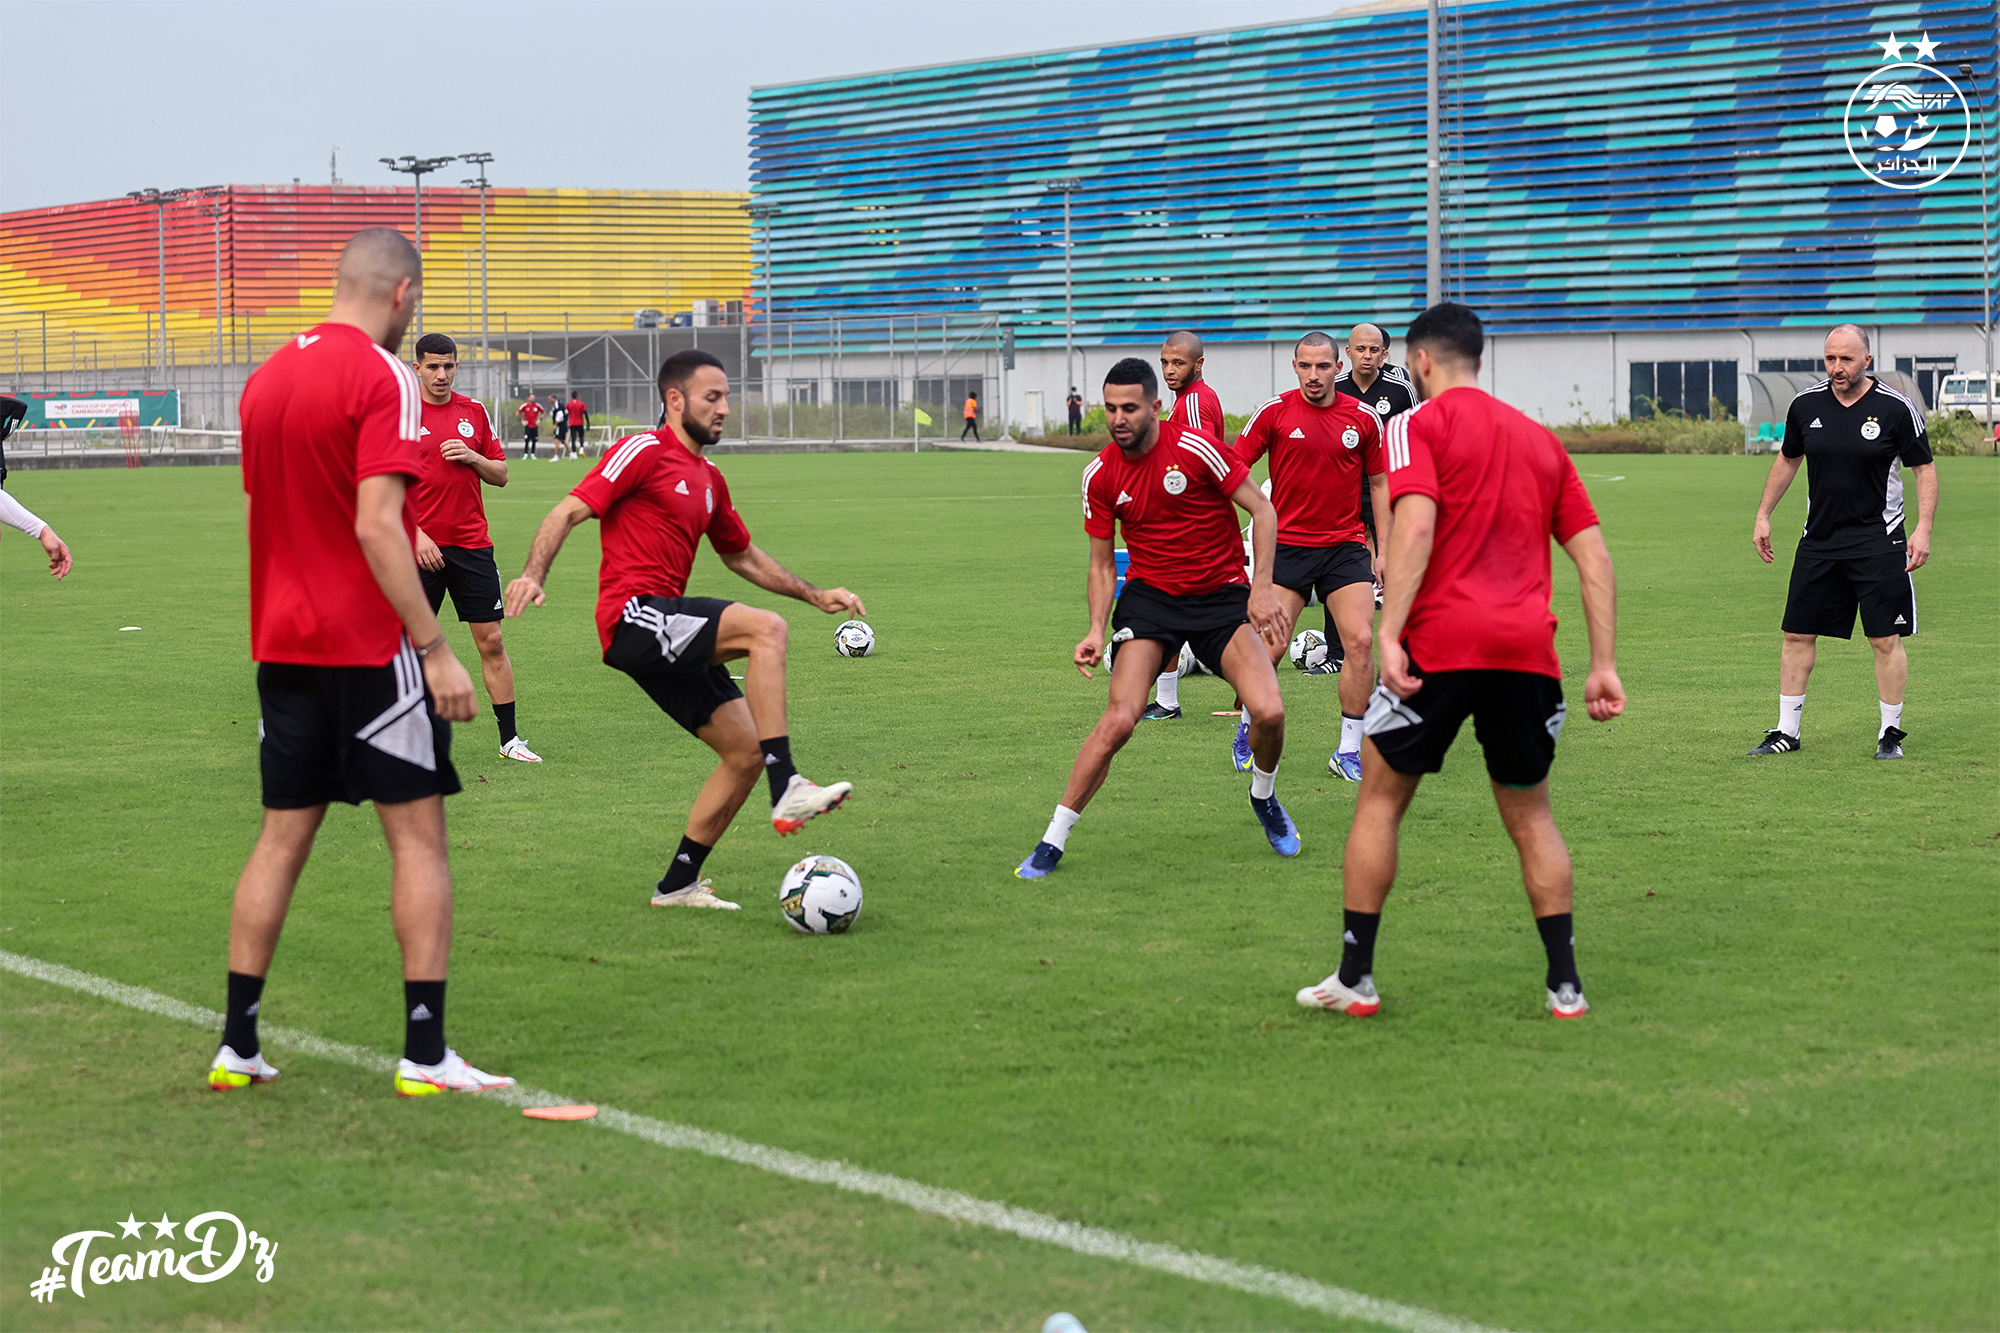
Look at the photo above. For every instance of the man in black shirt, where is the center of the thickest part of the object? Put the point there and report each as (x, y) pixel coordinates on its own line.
(1856, 435)
(1387, 392)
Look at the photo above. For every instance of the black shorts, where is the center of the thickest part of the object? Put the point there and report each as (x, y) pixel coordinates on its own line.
(667, 644)
(350, 734)
(1827, 590)
(1517, 716)
(473, 580)
(1206, 621)
(529, 434)
(1309, 570)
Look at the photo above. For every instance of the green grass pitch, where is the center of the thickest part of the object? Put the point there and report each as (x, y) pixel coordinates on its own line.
(1779, 1114)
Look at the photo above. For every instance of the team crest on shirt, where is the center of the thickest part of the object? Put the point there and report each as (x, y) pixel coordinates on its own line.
(1350, 438)
(1175, 481)
(1381, 407)
(1871, 429)
(465, 428)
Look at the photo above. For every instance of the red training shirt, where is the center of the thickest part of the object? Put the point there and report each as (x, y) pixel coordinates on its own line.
(1174, 508)
(329, 409)
(1321, 457)
(654, 499)
(577, 412)
(1197, 408)
(530, 413)
(445, 495)
(1503, 486)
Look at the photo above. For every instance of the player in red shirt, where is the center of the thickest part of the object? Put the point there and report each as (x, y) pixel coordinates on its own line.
(356, 681)
(1197, 408)
(656, 497)
(576, 416)
(454, 553)
(530, 412)
(1478, 490)
(1325, 448)
(1173, 492)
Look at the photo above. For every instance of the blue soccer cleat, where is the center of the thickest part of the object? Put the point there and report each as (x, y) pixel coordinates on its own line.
(1278, 826)
(1239, 749)
(1040, 862)
(1346, 764)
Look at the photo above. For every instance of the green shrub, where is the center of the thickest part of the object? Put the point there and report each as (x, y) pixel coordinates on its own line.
(1668, 432)
(1959, 435)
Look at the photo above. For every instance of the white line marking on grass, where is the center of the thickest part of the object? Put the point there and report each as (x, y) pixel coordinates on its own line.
(1095, 1242)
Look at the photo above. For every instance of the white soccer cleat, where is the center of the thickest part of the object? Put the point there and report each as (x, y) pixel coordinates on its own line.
(518, 749)
(1566, 1001)
(231, 1071)
(701, 893)
(803, 801)
(1359, 999)
(450, 1075)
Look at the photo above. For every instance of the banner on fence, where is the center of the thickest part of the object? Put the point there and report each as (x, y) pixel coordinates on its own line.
(104, 407)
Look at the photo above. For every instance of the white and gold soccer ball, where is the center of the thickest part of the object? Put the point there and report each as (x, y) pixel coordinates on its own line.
(853, 638)
(820, 895)
(1309, 650)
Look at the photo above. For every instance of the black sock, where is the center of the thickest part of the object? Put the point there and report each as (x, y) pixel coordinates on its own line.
(505, 714)
(778, 764)
(686, 865)
(1559, 939)
(423, 1032)
(1357, 952)
(239, 1020)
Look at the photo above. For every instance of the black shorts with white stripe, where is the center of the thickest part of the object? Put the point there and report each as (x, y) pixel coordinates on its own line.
(351, 734)
(1517, 716)
(1827, 590)
(667, 645)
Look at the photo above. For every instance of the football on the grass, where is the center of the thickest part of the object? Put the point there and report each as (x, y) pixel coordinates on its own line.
(820, 895)
(853, 638)
(1309, 650)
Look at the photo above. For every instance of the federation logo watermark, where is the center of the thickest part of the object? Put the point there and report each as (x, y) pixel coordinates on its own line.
(1907, 124)
(220, 1244)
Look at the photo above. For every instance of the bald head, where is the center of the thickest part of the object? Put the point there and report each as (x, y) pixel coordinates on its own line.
(1847, 362)
(1368, 333)
(1186, 340)
(375, 261)
(1850, 335)
(1180, 360)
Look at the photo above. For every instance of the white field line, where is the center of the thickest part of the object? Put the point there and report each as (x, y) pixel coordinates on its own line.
(1075, 1237)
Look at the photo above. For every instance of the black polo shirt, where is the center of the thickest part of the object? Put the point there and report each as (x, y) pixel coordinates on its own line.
(1854, 461)
(1390, 395)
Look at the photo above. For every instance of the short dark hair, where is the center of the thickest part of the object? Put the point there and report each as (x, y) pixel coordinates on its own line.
(1449, 330)
(1134, 371)
(436, 344)
(1313, 339)
(678, 369)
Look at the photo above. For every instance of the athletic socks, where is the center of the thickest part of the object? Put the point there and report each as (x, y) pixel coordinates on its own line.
(1559, 939)
(1059, 826)
(1357, 945)
(1350, 734)
(504, 715)
(239, 1020)
(1791, 713)
(423, 1029)
(1262, 784)
(685, 868)
(1167, 689)
(778, 764)
(1892, 716)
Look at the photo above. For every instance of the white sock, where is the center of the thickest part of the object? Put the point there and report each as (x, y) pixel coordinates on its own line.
(1892, 716)
(1059, 827)
(1350, 734)
(1791, 711)
(1167, 689)
(1262, 784)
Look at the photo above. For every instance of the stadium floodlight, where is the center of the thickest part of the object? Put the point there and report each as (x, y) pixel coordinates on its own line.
(485, 356)
(211, 208)
(416, 168)
(764, 213)
(159, 199)
(1067, 186)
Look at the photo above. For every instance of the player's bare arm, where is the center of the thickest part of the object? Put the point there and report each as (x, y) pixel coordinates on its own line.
(492, 471)
(1920, 537)
(1603, 692)
(1783, 470)
(378, 526)
(1101, 582)
(1409, 555)
(1385, 519)
(569, 512)
(428, 555)
(1267, 614)
(756, 565)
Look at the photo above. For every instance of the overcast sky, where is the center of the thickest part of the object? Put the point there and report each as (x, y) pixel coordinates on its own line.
(101, 98)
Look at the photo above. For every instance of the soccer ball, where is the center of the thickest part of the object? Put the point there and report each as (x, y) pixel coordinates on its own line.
(820, 895)
(1309, 650)
(1190, 665)
(853, 638)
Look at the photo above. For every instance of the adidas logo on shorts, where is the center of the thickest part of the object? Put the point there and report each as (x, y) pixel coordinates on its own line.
(1901, 621)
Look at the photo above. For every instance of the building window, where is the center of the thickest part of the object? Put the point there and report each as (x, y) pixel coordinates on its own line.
(1690, 388)
(1928, 372)
(868, 393)
(1797, 365)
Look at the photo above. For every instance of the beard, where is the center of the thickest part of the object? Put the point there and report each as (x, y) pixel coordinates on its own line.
(699, 433)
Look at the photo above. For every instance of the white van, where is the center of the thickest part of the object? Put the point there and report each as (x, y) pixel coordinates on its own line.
(1960, 393)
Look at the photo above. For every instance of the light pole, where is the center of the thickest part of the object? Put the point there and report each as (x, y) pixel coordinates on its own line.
(1985, 257)
(485, 363)
(416, 168)
(1066, 186)
(211, 196)
(159, 199)
(764, 213)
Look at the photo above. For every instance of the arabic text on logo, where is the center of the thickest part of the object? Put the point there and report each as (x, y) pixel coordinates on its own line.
(1907, 124)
